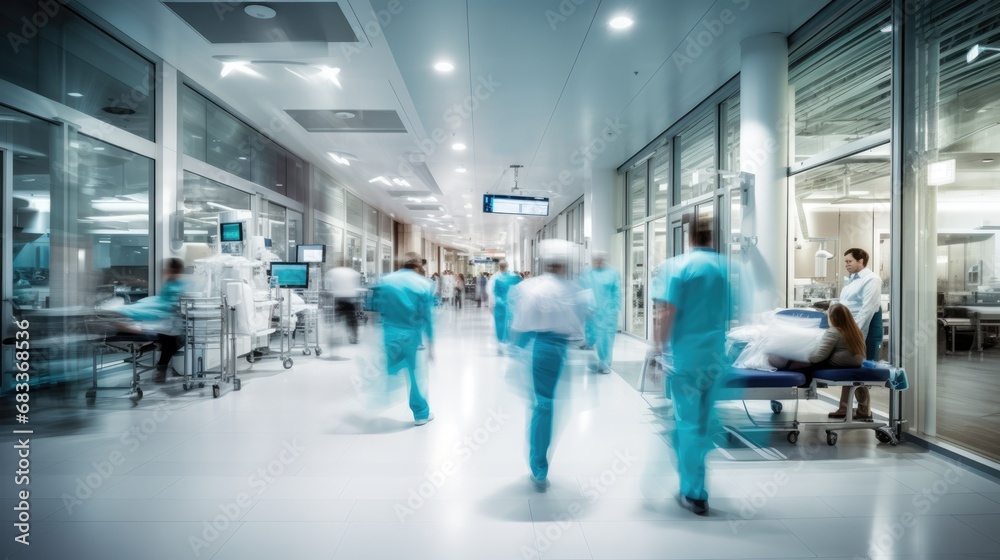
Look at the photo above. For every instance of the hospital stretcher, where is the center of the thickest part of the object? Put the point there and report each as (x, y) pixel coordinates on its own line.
(776, 386)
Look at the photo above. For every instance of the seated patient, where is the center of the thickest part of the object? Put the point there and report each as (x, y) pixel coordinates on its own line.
(841, 346)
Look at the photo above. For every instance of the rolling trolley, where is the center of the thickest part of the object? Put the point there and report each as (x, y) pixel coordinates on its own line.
(205, 331)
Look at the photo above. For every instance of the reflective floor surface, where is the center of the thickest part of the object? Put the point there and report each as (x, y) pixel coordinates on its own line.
(318, 462)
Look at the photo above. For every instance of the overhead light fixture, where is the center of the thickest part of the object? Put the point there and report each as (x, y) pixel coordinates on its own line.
(444, 66)
(329, 73)
(220, 206)
(98, 148)
(344, 115)
(458, 146)
(988, 160)
(339, 159)
(460, 170)
(75, 94)
(237, 65)
(887, 28)
(401, 182)
(259, 11)
(976, 50)
(621, 22)
(468, 205)
(380, 179)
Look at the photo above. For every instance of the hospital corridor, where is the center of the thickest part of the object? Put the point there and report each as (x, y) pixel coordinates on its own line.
(299, 464)
(508, 279)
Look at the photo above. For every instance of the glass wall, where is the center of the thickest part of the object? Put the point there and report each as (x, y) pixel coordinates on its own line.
(637, 193)
(696, 153)
(840, 82)
(953, 159)
(659, 185)
(74, 63)
(211, 134)
(199, 204)
(636, 282)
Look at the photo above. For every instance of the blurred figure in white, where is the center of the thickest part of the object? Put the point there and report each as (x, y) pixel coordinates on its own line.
(605, 282)
(447, 288)
(405, 299)
(548, 311)
(481, 281)
(345, 285)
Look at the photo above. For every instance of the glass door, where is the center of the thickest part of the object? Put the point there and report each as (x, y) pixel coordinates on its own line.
(636, 278)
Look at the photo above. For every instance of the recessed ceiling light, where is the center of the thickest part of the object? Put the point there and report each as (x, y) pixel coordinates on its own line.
(988, 160)
(468, 205)
(444, 66)
(98, 148)
(460, 170)
(75, 94)
(344, 115)
(260, 12)
(621, 22)
(458, 146)
(242, 158)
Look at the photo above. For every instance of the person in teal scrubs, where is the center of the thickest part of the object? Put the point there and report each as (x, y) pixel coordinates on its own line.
(405, 299)
(501, 287)
(605, 282)
(694, 319)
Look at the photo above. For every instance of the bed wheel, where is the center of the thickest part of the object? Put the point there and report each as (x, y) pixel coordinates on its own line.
(237, 384)
(776, 408)
(318, 351)
(250, 357)
(215, 391)
(91, 396)
(885, 435)
(793, 437)
(287, 363)
(306, 352)
(831, 438)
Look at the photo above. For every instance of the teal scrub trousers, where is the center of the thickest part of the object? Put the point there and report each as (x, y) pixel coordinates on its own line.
(547, 359)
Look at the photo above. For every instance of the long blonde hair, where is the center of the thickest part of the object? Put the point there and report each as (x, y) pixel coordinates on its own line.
(841, 318)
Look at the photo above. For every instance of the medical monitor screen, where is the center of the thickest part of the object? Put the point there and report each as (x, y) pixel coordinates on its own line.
(510, 204)
(232, 231)
(310, 253)
(290, 275)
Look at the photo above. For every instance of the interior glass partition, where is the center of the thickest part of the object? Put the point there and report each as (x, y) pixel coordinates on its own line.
(954, 173)
(636, 282)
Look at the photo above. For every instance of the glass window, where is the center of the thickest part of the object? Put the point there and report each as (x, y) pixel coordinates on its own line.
(696, 147)
(637, 192)
(952, 155)
(371, 262)
(294, 232)
(386, 259)
(637, 282)
(71, 61)
(354, 252)
(333, 237)
(194, 115)
(840, 82)
(199, 204)
(660, 184)
(273, 225)
(355, 211)
(371, 221)
(730, 149)
(386, 229)
(228, 142)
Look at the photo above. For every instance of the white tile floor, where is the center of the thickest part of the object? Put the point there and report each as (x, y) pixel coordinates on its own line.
(299, 465)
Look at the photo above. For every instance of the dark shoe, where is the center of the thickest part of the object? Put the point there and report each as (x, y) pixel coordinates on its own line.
(697, 507)
(839, 413)
(539, 484)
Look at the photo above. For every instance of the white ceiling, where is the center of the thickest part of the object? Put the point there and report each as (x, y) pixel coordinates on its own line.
(547, 78)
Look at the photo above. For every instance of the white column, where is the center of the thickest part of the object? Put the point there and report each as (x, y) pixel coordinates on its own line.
(598, 207)
(764, 152)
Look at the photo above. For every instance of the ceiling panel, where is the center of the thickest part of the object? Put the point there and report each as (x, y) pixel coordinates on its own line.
(228, 22)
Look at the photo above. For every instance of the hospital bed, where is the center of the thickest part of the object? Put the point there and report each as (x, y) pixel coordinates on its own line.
(777, 386)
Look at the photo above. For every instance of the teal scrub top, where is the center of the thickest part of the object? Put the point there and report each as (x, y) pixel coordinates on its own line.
(405, 300)
(606, 285)
(699, 289)
(504, 282)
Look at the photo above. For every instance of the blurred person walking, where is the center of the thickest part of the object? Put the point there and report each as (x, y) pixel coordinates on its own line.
(693, 319)
(605, 282)
(503, 281)
(405, 300)
(344, 284)
(547, 311)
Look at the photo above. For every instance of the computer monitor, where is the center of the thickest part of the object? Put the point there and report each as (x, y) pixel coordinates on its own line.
(231, 231)
(290, 275)
(310, 253)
